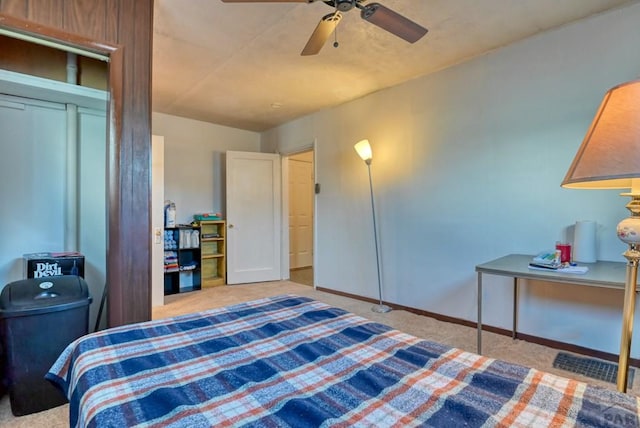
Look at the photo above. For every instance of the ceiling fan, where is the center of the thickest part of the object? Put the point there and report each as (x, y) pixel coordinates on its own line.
(375, 13)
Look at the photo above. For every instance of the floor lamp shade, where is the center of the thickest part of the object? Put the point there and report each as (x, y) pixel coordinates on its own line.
(363, 148)
(609, 158)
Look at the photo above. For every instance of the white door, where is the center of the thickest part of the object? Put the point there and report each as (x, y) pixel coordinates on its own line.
(253, 217)
(301, 210)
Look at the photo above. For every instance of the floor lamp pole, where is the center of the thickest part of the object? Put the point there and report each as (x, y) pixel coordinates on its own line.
(380, 307)
(632, 255)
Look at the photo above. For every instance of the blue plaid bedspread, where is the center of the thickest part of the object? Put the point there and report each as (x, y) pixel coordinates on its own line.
(290, 361)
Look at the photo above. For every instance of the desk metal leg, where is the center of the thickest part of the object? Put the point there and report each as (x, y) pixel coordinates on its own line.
(514, 333)
(479, 313)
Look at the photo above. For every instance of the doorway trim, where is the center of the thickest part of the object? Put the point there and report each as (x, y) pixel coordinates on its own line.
(284, 158)
(113, 54)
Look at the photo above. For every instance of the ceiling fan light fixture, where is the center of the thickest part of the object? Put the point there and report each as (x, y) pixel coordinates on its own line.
(321, 34)
(393, 22)
(345, 5)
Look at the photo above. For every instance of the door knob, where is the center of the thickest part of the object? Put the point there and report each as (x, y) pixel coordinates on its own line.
(230, 226)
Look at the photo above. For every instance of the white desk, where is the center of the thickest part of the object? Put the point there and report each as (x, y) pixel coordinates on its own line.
(600, 274)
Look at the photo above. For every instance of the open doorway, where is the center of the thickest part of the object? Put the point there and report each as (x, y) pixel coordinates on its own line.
(301, 216)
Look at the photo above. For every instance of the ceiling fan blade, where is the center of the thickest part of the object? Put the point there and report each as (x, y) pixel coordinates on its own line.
(393, 22)
(324, 29)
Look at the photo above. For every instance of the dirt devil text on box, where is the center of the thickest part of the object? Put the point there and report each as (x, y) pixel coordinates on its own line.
(47, 269)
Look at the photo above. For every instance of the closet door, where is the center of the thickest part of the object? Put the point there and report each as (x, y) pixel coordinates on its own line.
(92, 203)
(33, 163)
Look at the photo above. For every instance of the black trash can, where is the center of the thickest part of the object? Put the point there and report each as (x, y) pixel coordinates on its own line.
(39, 317)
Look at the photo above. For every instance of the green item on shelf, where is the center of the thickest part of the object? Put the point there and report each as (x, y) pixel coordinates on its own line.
(206, 216)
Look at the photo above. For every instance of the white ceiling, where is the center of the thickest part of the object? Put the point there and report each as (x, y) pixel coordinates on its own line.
(230, 64)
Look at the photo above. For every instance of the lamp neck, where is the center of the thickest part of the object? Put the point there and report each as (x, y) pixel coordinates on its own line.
(628, 229)
(634, 204)
(368, 161)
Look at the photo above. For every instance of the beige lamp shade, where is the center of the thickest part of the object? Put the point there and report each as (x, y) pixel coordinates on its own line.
(364, 150)
(609, 157)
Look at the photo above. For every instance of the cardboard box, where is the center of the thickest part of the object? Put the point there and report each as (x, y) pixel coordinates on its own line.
(39, 265)
(186, 280)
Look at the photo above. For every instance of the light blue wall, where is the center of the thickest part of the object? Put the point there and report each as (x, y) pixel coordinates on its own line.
(467, 168)
(194, 162)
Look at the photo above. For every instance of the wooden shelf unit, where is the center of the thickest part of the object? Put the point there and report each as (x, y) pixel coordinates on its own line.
(213, 253)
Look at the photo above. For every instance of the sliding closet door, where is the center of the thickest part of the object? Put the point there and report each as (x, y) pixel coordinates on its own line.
(92, 204)
(33, 162)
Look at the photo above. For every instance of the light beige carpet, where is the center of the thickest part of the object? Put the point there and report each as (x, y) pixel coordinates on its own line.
(494, 345)
(302, 275)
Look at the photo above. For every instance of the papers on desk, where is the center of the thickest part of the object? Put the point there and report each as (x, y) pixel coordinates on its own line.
(550, 260)
(560, 269)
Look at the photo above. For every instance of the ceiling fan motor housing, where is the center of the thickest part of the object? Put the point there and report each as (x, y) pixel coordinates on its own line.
(345, 5)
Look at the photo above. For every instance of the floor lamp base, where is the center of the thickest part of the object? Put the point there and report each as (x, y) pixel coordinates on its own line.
(381, 309)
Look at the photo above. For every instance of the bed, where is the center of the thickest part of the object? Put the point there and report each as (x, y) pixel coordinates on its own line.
(293, 361)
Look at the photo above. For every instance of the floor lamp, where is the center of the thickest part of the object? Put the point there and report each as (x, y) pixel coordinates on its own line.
(609, 158)
(363, 148)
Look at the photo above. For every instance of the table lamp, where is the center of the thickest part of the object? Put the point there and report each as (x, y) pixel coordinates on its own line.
(609, 158)
(363, 148)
